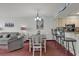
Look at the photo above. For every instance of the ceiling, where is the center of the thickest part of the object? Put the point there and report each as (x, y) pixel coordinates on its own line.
(29, 9)
(71, 10)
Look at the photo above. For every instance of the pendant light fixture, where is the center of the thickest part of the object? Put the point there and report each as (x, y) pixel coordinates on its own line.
(37, 17)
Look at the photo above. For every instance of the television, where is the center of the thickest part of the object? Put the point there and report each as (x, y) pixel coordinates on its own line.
(70, 27)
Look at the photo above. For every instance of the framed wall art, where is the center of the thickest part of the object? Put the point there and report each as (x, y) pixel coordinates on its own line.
(9, 24)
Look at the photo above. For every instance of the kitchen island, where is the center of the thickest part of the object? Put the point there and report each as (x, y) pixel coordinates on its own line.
(73, 35)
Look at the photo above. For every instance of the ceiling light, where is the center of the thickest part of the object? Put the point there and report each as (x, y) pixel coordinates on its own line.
(37, 17)
(77, 13)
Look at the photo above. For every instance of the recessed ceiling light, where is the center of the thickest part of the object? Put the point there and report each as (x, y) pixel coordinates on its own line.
(77, 13)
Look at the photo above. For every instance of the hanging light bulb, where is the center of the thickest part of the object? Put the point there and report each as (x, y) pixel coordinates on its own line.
(37, 17)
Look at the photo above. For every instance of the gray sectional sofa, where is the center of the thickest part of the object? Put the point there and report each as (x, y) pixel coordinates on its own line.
(11, 41)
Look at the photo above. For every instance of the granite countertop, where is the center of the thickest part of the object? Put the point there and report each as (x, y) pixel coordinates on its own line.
(75, 32)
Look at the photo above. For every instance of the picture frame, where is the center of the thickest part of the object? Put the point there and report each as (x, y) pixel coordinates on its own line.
(9, 24)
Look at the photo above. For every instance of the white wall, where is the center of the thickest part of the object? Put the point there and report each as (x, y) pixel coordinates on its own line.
(68, 20)
(49, 23)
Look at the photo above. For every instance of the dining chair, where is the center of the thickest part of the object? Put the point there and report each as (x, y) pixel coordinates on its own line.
(43, 38)
(37, 44)
(44, 42)
(30, 43)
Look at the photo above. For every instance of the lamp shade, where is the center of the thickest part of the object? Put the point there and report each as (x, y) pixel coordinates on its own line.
(23, 27)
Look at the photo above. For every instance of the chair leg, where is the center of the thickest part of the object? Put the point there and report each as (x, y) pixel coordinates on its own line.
(57, 39)
(73, 48)
(40, 51)
(63, 42)
(33, 51)
(60, 41)
(45, 47)
(68, 46)
(29, 48)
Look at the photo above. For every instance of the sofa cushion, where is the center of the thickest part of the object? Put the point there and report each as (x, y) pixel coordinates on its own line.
(1, 36)
(8, 35)
(4, 40)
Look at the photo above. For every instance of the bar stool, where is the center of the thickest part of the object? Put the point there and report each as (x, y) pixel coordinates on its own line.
(70, 40)
(61, 38)
(60, 35)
